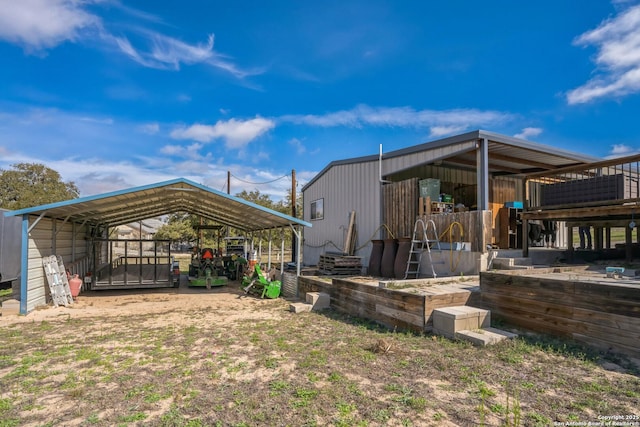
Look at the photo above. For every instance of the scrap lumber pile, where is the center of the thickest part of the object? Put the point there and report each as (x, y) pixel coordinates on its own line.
(337, 264)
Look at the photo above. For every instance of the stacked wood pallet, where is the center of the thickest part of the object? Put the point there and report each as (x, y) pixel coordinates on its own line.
(335, 264)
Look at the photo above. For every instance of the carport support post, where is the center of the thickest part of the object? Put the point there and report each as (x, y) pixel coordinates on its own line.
(282, 252)
(482, 178)
(570, 250)
(525, 238)
(298, 234)
(628, 234)
(269, 259)
(482, 171)
(24, 263)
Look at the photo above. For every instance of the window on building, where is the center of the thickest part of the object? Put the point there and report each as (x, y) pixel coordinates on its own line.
(317, 209)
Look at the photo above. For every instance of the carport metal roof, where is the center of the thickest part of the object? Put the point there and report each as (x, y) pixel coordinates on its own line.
(178, 195)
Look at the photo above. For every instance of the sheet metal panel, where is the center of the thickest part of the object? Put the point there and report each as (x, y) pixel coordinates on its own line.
(344, 188)
(41, 243)
(10, 246)
(444, 174)
(396, 163)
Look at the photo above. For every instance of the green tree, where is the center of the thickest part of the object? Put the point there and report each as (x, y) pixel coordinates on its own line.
(257, 198)
(177, 230)
(183, 228)
(33, 184)
(283, 206)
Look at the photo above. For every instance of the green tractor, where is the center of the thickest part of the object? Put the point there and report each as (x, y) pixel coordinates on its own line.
(207, 269)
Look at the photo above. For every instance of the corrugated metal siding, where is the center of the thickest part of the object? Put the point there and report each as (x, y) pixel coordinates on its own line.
(459, 176)
(344, 188)
(40, 245)
(50, 237)
(396, 164)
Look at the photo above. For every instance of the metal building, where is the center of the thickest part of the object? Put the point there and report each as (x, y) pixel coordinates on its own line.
(74, 229)
(484, 168)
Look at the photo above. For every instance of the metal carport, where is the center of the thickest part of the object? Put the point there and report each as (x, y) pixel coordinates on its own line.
(67, 228)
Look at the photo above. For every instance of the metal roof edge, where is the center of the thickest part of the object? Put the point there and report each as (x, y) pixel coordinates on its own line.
(248, 203)
(96, 197)
(152, 186)
(353, 160)
(525, 143)
(468, 136)
(443, 142)
(407, 150)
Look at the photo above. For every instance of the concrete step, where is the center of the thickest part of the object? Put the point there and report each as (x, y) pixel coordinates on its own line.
(314, 301)
(318, 300)
(449, 320)
(510, 262)
(300, 307)
(11, 307)
(513, 267)
(484, 336)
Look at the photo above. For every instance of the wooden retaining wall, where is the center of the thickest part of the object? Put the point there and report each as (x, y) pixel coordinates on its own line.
(392, 308)
(603, 315)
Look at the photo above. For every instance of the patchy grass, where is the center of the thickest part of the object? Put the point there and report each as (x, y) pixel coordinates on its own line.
(284, 369)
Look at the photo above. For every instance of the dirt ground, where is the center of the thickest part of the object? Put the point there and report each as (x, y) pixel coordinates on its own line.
(112, 303)
(197, 357)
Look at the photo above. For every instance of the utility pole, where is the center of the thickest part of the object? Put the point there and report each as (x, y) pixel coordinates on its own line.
(293, 214)
(228, 192)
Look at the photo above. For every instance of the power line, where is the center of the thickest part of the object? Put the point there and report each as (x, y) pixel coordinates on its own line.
(260, 183)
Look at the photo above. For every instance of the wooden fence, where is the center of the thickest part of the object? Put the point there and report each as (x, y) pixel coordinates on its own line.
(402, 207)
(400, 201)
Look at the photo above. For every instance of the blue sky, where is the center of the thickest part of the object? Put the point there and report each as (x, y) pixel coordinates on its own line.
(114, 94)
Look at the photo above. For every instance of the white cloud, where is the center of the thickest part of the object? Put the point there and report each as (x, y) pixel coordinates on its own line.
(297, 145)
(621, 150)
(184, 98)
(618, 58)
(105, 121)
(101, 158)
(190, 151)
(438, 121)
(149, 128)
(529, 132)
(170, 51)
(236, 133)
(439, 131)
(42, 24)
(165, 52)
(38, 25)
(172, 150)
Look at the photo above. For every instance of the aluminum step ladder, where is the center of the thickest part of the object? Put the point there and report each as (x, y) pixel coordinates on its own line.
(425, 236)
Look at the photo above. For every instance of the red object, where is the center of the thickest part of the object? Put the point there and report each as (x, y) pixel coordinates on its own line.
(75, 284)
(207, 254)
